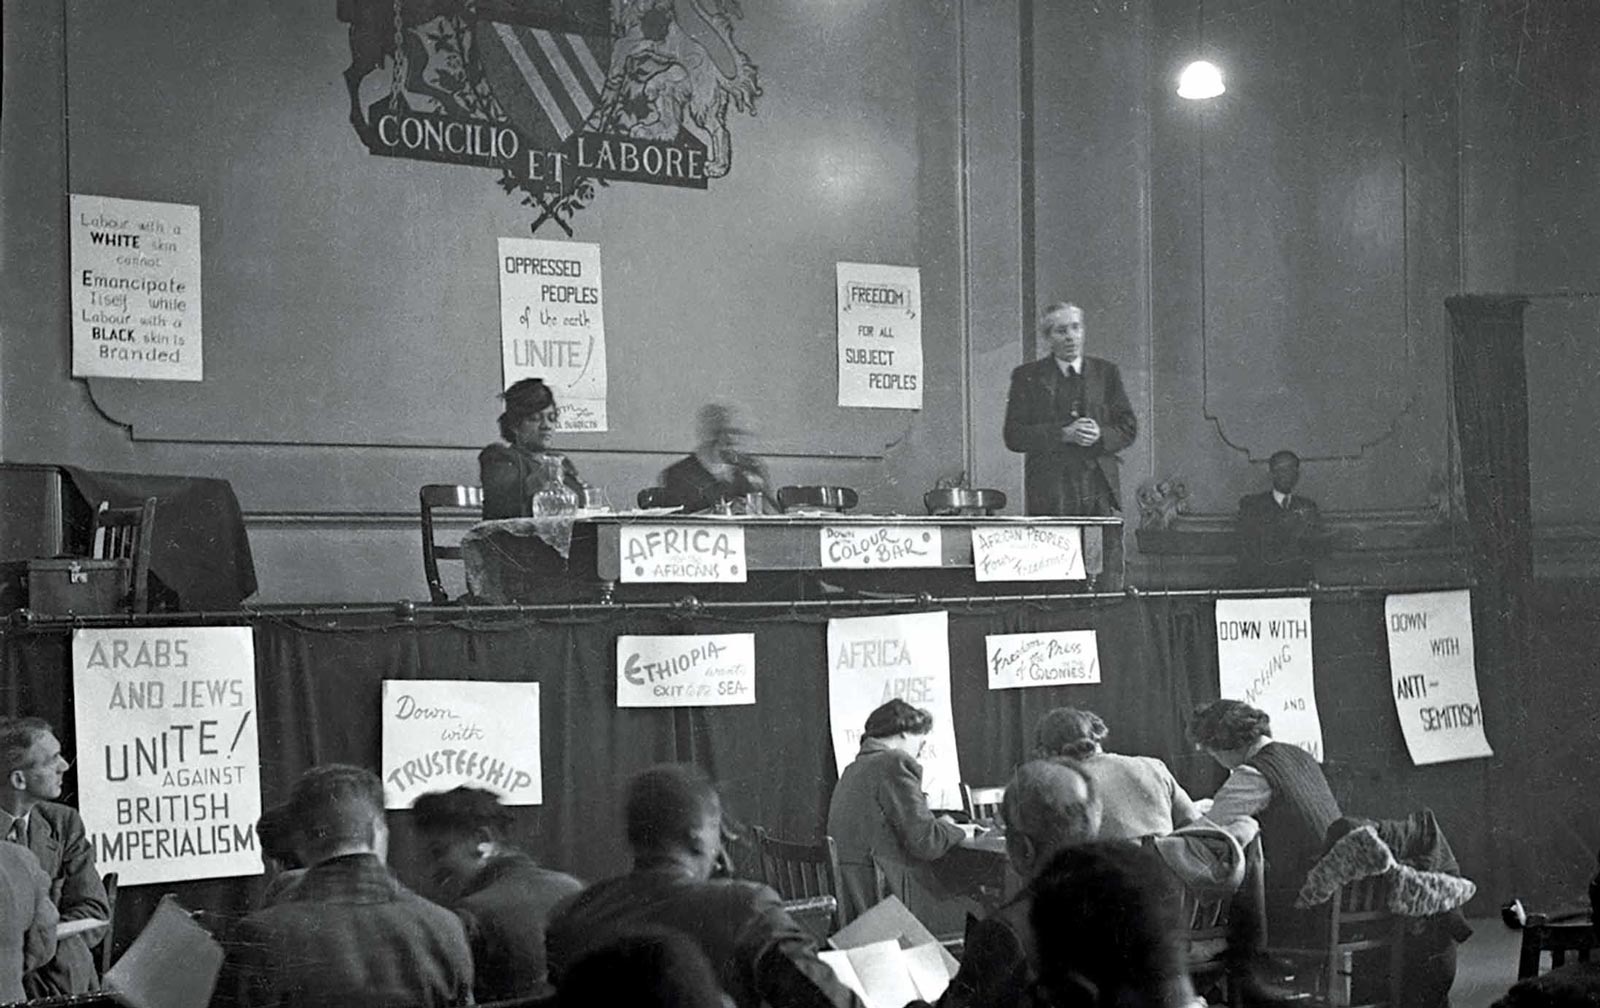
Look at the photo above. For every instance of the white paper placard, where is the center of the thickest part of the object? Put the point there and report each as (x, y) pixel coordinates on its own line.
(1434, 674)
(1264, 657)
(440, 734)
(873, 659)
(1054, 658)
(682, 553)
(861, 547)
(135, 289)
(708, 670)
(1028, 553)
(552, 325)
(880, 335)
(169, 768)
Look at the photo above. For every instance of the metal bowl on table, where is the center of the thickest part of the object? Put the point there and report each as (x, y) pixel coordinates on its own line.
(816, 498)
(963, 501)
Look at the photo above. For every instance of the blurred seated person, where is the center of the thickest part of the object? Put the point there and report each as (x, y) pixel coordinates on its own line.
(1138, 794)
(512, 472)
(717, 471)
(1575, 985)
(500, 893)
(651, 967)
(276, 833)
(27, 919)
(1278, 532)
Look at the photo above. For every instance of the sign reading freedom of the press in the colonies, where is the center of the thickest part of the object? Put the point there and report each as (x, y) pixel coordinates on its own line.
(1053, 658)
(168, 761)
(135, 289)
(1028, 553)
(705, 670)
(1264, 659)
(681, 553)
(880, 335)
(440, 734)
(552, 325)
(1434, 675)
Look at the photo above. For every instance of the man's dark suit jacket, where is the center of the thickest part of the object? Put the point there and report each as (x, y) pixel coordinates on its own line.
(57, 838)
(1037, 409)
(760, 955)
(1276, 545)
(505, 908)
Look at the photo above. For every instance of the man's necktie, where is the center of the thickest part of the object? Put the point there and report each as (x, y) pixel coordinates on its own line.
(18, 832)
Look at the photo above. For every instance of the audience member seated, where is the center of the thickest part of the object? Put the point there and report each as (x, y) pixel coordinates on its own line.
(657, 967)
(1138, 795)
(27, 919)
(717, 470)
(1575, 985)
(501, 894)
(1279, 533)
(674, 826)
(879, 818)
(511, 473)
(284, 869)
(349, 935)
(30, 756)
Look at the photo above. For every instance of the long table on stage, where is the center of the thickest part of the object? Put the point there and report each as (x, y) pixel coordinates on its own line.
(514, 560)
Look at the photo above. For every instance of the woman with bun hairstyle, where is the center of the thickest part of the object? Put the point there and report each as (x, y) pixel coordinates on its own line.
(1138, 794)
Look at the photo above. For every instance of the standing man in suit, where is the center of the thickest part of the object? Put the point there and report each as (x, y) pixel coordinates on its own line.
(1279, 532)
(1070, 416)
(31, 759)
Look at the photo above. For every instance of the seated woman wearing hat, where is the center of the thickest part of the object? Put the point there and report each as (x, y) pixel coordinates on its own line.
(511, 473)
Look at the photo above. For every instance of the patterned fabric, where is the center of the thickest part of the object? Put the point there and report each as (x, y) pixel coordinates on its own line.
(1361, 854)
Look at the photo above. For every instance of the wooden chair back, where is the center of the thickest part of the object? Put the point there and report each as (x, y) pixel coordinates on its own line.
(1558, 937)
(125, 534)
(1204, 919)
(1358, 920)
(450, 499)
(819, 915)
(800, 870)
(982, 803)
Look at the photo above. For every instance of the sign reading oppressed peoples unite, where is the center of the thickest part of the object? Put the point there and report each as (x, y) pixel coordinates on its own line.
(168, 762)
(1055, 658)
(1264, 659)
(715, 670)
(135, 289)
(880, 336)
(880, 546)
(874, 659)
(552, 325)
(552, 96)
(1435, 676)
(1028, 553)
(444, 733)
(682, 553)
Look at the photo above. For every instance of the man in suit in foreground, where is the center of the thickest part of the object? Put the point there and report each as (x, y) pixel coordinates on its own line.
(31, 759)
(1069, 415)
(1279, 532)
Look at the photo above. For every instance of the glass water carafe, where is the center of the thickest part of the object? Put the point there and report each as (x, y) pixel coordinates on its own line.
(554, 497)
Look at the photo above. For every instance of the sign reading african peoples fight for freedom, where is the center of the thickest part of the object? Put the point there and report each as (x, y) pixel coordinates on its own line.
(168, 759)
(1264, 659)
(1028, 553)
(1434, 675)
(880, 335)
(552, 325)
(444, 733)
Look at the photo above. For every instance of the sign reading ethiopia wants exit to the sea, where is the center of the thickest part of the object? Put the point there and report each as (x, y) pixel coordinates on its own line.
(552, 325)
(442, 733)
(880, 335)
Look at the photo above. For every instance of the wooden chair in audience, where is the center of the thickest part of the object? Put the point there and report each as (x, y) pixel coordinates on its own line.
(124, 534)
(982, 803)
(1358, 920)
(800, 871)
(1557, 935)
(102, 953)
(1205, 923)
(819, 915)
(451, 499)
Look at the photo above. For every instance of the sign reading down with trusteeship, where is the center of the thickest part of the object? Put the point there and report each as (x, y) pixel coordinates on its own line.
(443, 733)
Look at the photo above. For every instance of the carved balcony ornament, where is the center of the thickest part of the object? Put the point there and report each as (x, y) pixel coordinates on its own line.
(1161, 501)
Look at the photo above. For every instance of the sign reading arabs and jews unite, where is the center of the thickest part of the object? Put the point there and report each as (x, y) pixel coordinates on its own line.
(880, 335)
(687, 670)
(552, 325)
(444, 733)
(1264, 657)
(1052, 658)
(135, 289)
(168, 763)
(874, 659)
(1434, 676)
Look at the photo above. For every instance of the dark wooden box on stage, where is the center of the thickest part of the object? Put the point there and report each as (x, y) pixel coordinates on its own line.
(78, 586)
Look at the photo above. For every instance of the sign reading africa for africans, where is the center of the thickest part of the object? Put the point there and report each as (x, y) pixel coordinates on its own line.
(168, 763)
(880, 335)
(1264, 659)
(444, 733)
(1434, 675)
(686, 670)
(874, 659)
(552, 325)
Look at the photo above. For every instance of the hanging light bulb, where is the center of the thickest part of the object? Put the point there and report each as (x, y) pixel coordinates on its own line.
(1200, 80)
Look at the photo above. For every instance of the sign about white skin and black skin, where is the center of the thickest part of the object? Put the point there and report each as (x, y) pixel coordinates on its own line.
(552, 325)
(440, 734)
(1434, 675)
(1264, 657)
(168, 758)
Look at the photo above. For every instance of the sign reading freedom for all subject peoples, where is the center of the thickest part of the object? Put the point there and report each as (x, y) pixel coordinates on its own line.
(872, 660)
(552, 325)
(880, 546)
(444, 733)
(1055, 658)
(135, 289)
(1435, 676)
(880, 336)
(717, 670)
(168, 763)
(1264, 655)
(686, 553)
(1028, 553)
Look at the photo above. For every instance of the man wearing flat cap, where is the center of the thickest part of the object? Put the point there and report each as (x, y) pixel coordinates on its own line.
(717, 470)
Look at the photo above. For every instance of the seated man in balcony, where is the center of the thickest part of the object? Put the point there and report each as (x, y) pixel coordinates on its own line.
(717, 470)
(1279, 532)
